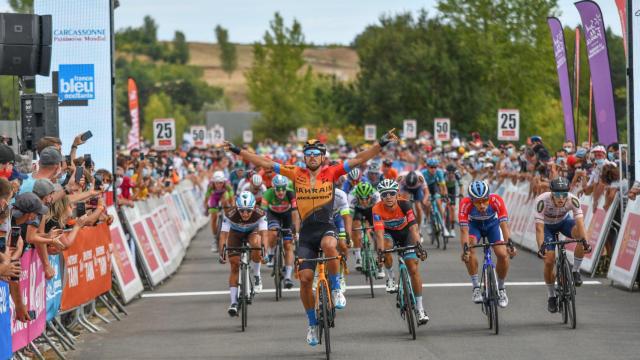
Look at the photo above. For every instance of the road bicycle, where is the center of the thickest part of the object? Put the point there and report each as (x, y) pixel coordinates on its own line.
(245, 284)
(278, 263)
(437, 225)
(369, 265)
(489, 282)
(565, 287)
(405, 297)
(325, 311)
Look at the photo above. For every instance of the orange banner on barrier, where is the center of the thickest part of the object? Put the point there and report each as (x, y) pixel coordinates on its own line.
(88, 267)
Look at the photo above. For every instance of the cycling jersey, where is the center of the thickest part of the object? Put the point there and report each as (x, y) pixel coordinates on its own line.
(354, 202)
(258, 193)
(484, 224)
(418, 185)
(548, 213)
(214, 197)
(452, 181)
(433, 181)
(314, 200)
(340, 202)
(233, 221)
(274, 204)
(395, 218)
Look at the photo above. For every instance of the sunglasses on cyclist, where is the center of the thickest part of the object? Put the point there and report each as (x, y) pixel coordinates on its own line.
(480, 201)
(388, 193)
(313, 153)
(433, 167)
(561, 195)
(281, 189)
(245, 211)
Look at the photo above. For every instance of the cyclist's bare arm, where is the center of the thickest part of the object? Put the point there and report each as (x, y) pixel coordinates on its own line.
(255, 159)
(371, 152)
(506, 233)
(295, 219)
(414, 235)
(379, 239)
(539, 234)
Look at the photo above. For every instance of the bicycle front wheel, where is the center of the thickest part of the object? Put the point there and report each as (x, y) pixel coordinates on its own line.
(568, 294)
(277, 272)
(493, 301)
(325, 324)
(244, 295)
(408, 304)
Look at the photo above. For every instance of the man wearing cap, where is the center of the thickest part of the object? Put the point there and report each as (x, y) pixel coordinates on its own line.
(44, 189)
(599, 155)
(48, 168)
(26, 211)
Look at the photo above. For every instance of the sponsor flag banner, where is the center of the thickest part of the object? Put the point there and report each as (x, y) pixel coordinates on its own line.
(127, 276)
(54, 287)
(81, 73)
(133, 141)
(5, 321)
(626, 255)
(560, 51)
(32, 290)
(598, 55)
(634, 53)
(88, 266)
(622, 11)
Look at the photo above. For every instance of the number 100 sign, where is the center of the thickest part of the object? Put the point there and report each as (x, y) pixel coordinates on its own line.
(164, 134)
(508, 125)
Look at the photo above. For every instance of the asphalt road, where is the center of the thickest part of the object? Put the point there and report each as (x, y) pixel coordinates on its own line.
(187, 319)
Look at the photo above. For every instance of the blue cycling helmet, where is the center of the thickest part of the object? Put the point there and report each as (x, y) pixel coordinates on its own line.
(479, 190)
(280, 181)
(433, 162)
(246, 200)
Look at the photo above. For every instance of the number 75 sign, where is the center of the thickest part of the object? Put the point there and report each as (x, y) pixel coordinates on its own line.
(508, 125)
(164, 134)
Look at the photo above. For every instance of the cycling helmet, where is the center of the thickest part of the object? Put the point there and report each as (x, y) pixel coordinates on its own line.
(363, 190)
(246, 200)
(388, 185)
(354, 174)
(536, 138)
(256, 180)
(314, 144)
(412, 179)
(560, 184)
(280, 181)
(433, 162)
(387, 162)
(479, 189)
(451, 168)
(374, 167)
(219, 177)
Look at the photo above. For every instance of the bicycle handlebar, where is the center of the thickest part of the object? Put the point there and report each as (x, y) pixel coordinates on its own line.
(564, 242)
(397, 249)
(363, 228)
(317, 260)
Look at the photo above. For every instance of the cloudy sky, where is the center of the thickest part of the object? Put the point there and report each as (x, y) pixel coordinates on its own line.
(323, 22)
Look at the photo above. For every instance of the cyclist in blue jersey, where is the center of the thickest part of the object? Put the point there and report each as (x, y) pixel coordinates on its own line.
(436, 184)
(374, 174)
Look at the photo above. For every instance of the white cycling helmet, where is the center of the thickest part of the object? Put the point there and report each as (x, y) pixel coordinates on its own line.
(218, 177)
(246, 200)
(256, 180)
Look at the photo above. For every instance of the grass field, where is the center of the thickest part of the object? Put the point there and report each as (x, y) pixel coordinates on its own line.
(342, 62)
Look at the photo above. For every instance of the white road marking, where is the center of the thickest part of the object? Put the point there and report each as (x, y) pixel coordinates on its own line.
(354, 287)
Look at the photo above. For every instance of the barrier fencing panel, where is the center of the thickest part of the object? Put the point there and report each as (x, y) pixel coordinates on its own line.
(32, 288)
(54, 286)
(88, 267)
(624, 262)
(126, 273)
(5, 322)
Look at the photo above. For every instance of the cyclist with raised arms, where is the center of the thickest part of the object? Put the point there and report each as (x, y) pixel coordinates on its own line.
(394, 223)
(243, 222)
(361, 201)
(454, 187)
(280, 205)
(314, 195)
(436, 184)
(552, 217)
(483, 214)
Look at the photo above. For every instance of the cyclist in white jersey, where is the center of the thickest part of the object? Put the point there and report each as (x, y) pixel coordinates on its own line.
(552, 217)
(342, 220)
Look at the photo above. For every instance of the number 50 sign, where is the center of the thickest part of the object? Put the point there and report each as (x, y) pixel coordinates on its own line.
(164, 134)
(508, 124)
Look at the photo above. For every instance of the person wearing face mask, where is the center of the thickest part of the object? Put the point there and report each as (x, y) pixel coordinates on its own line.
(568, 147)
(594, 185)
(7, 158)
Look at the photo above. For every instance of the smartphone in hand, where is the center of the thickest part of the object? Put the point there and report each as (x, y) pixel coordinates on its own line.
(86, 136)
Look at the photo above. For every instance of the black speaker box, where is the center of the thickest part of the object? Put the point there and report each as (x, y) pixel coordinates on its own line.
(39, 118)
(25, 44)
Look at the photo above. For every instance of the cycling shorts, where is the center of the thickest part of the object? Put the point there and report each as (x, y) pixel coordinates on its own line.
(277, 221)
(237, 239)
(489, 229)
(366, 214)
(417, 193)
(564, 227)
(311, 236)
(400, 238)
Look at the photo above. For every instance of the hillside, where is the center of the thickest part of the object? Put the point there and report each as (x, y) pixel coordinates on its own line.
(342, 62)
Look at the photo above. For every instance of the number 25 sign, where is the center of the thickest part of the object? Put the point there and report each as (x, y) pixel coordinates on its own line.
(508, 125)
(164, 134)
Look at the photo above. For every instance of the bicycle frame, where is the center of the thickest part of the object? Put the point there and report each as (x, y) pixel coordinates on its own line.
(402, 269)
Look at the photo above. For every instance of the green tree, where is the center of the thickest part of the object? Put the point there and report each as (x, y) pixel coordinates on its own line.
(228, 55)
(180, 52)
(279, 84)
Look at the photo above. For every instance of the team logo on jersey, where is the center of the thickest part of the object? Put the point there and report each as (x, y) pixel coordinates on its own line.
(575, 202)
(540, 206)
